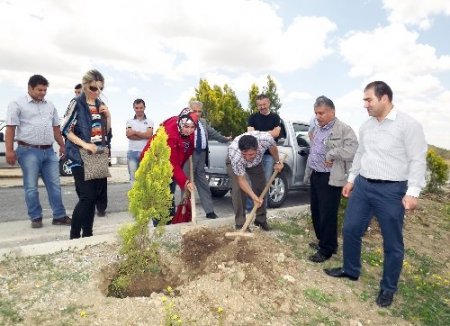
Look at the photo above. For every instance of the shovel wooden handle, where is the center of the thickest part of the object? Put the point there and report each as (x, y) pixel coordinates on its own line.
(193, 208)
(251, 216)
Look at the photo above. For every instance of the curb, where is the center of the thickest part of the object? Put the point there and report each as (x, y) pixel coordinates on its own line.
(111, 237)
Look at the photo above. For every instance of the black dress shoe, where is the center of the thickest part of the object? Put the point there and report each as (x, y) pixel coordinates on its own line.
(385, 298)
(314, 245)
(339, 272)
(101, 213)
(318, 258)
(211, 215)
(263, 225)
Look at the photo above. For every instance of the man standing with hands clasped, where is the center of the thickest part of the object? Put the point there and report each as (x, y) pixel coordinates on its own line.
(200, 157)
(386, 178)
(333, 146)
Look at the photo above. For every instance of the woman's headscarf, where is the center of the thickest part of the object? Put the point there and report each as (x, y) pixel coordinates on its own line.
(186, 116)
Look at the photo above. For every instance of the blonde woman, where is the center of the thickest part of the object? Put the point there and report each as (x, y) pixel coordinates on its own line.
(82, 128)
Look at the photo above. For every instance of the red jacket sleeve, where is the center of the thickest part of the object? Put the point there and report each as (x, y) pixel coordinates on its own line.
(177, 159)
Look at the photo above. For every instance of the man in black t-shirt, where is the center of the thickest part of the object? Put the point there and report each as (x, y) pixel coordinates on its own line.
(265, 120)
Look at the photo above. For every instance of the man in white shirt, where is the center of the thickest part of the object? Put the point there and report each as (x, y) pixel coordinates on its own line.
(139, 130)
(386, 178)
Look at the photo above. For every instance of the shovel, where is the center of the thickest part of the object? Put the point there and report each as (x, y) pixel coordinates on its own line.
(251, 216)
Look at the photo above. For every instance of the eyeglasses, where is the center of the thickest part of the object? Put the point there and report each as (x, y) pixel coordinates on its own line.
(95, 89)
(199, 111)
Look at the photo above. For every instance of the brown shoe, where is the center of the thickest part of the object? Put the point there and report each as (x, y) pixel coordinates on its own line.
(66, 220)
(36, 223)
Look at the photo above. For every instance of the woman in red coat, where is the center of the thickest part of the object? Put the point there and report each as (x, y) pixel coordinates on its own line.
(180, 131)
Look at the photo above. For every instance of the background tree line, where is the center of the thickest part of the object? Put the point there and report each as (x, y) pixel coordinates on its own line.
(223, 110)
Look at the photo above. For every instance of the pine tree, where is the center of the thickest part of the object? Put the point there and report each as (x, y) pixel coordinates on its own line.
(150, 198)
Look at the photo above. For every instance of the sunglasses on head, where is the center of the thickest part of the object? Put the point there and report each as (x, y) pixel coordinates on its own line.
(95, 88)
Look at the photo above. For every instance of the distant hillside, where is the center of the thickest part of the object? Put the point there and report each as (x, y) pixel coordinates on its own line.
(445, 153)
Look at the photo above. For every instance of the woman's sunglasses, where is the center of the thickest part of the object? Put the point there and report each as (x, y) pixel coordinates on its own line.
(95, 89)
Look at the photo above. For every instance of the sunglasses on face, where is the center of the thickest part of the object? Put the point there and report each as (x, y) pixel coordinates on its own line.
(95, 88)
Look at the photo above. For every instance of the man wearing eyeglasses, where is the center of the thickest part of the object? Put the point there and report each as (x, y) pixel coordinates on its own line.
(200, 158)
(34, 123)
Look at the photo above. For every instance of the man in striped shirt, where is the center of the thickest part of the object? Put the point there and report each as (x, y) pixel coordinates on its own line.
(386, 178)
(245, 156)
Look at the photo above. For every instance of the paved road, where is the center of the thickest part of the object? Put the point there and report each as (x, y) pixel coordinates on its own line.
(13, 206)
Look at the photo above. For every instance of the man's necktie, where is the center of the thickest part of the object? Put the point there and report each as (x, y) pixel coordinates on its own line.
(198, 143)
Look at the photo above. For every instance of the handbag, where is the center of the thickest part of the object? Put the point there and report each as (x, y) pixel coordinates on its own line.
(184, 211)
(96, 165)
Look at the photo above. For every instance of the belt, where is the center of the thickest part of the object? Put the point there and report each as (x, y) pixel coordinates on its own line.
(378, 180)
(22, 143)
(314, 171)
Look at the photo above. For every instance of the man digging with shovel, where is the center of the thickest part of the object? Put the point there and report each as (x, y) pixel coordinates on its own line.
(245, 157)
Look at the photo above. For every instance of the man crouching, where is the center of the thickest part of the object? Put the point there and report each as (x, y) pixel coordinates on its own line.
(245, 156)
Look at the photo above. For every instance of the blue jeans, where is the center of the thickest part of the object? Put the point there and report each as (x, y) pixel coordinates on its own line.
(37, 162)
(133, 163)
(384, 200)
(267, 161)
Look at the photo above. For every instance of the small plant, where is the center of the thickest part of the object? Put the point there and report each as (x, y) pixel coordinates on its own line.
(150, 199)
(438, 172)
(172, 318)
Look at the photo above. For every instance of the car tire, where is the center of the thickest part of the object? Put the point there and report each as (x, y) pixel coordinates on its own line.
(64, 169)
(218, 193)
(278, 191)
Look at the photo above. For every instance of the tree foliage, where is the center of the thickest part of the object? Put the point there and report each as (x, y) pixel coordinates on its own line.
(252, 94)
(271, 91)
(438, 171)
(222, 108)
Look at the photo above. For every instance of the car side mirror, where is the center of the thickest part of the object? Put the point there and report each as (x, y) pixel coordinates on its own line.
(304, 152)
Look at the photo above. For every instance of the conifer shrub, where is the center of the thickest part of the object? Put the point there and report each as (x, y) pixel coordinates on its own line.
(437, 172)
(149, 198)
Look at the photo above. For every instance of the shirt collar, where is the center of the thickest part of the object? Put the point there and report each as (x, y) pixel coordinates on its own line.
(328, 125)
(30, 99)
(392, 115)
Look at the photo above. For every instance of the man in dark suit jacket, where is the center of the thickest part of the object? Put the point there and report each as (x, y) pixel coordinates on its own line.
(203, 133)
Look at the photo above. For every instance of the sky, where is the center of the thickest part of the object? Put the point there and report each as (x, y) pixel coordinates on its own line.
(159, 50)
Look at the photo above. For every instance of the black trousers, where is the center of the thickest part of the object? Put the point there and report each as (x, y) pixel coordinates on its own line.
(325, 200)
(84, 212)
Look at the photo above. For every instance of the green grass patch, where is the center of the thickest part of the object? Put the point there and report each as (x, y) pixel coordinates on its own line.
(321, 320)
(424, 292)
(318, 297)
(290, 227)
(372, 256)
(8, 314)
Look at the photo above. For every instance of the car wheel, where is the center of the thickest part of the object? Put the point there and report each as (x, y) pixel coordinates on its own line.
(278, 191)
(218, 193)
(64, 168)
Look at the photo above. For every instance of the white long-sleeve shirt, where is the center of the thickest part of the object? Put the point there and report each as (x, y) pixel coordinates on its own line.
(393, 149)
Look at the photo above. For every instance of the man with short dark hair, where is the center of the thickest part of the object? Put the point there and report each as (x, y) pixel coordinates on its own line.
(77, 89)
(333, 146)
(386, 178)
(265, 120)
(34, 123)
(245, 156)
